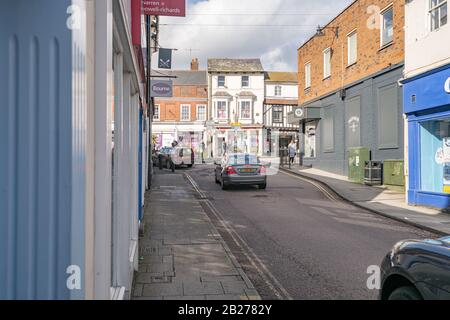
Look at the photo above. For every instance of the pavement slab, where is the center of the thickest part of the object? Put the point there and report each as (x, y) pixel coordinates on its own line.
(182, 255)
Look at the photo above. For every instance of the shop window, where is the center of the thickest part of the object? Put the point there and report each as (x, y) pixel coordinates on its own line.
(435, 155)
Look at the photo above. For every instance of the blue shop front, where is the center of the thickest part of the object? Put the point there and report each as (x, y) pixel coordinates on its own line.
(427, 106)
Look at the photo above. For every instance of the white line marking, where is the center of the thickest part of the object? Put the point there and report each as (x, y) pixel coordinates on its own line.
(254, 260)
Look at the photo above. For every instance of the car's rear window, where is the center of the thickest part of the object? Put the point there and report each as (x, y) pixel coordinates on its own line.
(240, 159)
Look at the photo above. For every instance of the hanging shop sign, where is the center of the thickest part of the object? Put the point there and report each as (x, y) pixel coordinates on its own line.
(299, 112)
(161, 88)
(165, 58)
(171, 8)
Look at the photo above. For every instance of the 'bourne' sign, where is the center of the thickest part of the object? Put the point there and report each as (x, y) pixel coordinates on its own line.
(161, 88)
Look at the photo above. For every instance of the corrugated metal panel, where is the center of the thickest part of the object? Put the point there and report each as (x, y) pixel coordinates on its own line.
(37, 193)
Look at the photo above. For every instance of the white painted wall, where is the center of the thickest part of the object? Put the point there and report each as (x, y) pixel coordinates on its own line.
(288, 91)
(233, 87)
(424, 49)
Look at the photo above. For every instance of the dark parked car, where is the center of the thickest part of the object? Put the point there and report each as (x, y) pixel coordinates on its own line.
(240, 169)
(416, 270)
(163, 156)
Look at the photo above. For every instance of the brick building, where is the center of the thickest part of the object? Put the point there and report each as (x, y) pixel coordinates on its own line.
(348, 86)
(182, 117)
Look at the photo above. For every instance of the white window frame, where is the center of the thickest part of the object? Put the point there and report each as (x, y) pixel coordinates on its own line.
(216, 109)
(250, 102)
(326, 52)
(205, 115)
(437, 8)
(157, 107)
(181, 112)
(308, 75)
(224, 81)
(382, 13)
(242, 81)
(354, 33)
(280, 91)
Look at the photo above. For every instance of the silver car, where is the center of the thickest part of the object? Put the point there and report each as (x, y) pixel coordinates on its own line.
(240, 169)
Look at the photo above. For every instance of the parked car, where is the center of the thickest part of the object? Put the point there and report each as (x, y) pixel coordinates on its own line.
(417, 270)
(163, 157)
(240, 169)
(182, 156)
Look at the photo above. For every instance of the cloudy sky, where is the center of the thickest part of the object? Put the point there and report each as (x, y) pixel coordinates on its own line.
(268, 29)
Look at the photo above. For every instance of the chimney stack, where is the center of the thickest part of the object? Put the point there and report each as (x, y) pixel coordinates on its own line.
(194, 64)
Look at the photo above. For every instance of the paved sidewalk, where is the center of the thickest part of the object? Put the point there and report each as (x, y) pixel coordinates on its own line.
(182, 256)
(383, 201)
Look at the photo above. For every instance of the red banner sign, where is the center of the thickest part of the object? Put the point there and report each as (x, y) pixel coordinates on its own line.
(174, 8)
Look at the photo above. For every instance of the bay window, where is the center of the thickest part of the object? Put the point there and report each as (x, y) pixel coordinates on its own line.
(246, 110)
(221, 110)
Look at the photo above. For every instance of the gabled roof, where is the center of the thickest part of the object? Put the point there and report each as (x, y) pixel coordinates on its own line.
(281, 77)
(184, 77)
(235, 65)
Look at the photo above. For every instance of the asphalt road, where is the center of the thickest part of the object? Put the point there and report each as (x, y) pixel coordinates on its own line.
(296, 241)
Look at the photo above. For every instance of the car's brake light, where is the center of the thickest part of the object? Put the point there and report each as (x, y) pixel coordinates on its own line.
(231, 170)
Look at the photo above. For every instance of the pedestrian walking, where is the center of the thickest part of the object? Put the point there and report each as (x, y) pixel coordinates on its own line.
(292, 152)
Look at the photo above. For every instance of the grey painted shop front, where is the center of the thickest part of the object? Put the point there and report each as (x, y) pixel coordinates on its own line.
(367, 113)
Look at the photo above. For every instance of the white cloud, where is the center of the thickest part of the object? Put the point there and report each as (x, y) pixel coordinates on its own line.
(276, 46)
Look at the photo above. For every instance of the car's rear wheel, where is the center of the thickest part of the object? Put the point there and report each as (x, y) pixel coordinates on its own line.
(405, 293)
(223, 185)
(263, 186)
